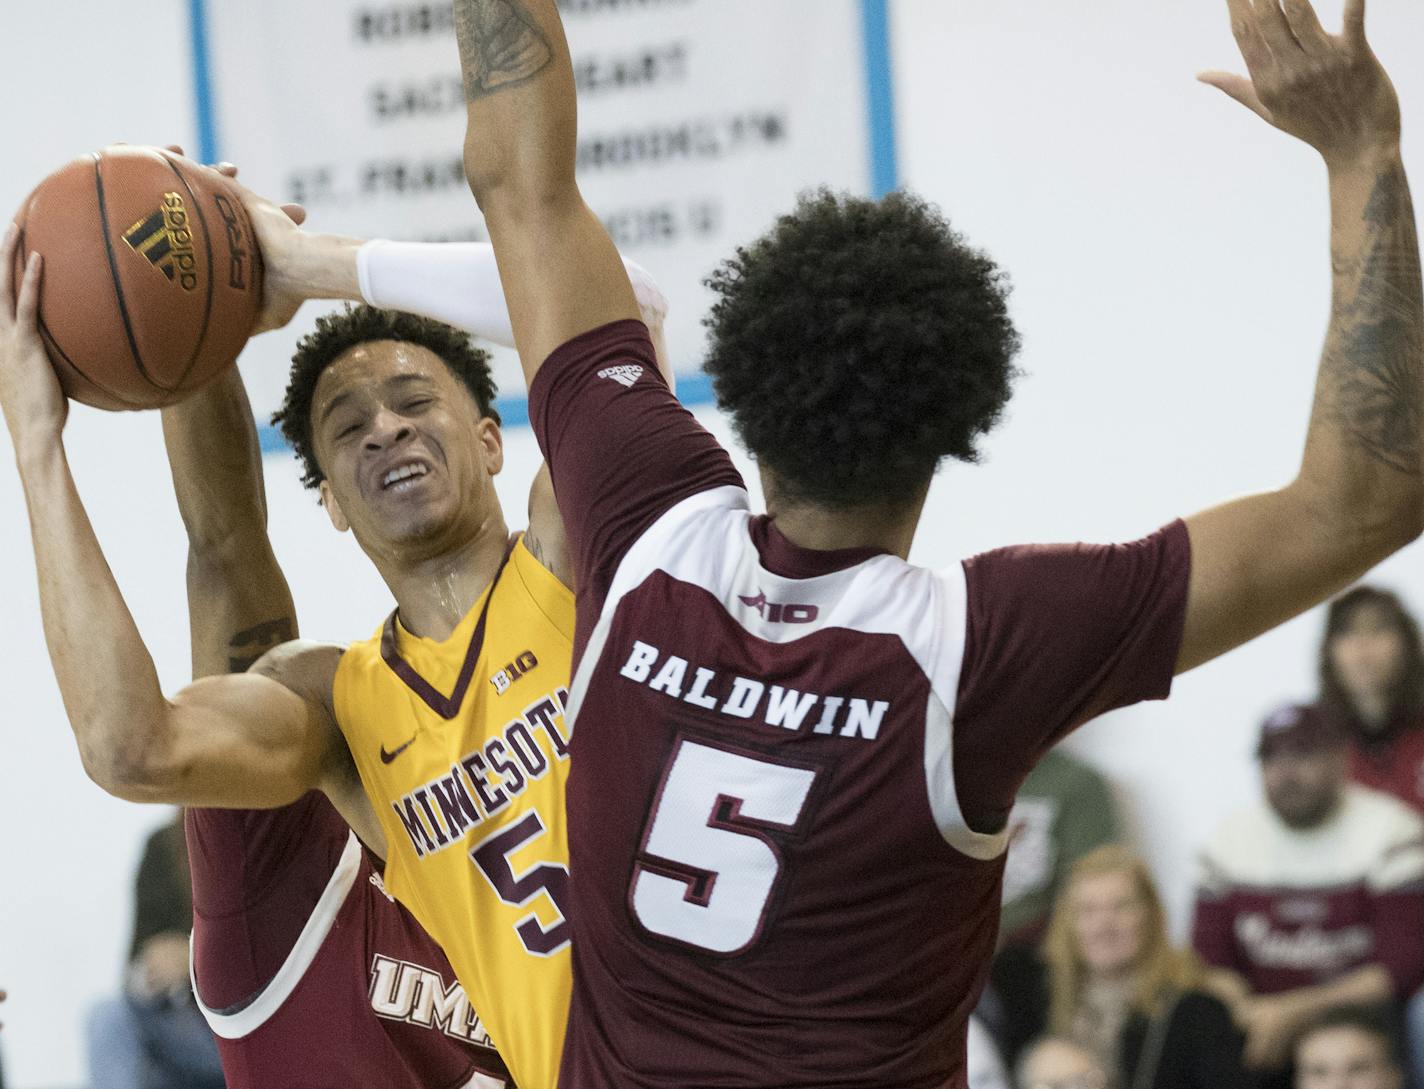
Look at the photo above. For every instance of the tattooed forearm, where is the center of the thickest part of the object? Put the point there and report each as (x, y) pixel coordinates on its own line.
(1373, 370)
(251, 643)
(501, 45)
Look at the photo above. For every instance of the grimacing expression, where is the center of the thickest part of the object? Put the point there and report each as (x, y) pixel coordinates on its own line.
(1368, 653)
(1303, 784)
(1344, 1057)
(408, 458)
(1109, 922)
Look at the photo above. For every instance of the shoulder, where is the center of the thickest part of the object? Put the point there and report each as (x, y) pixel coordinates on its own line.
(1240, 841)
(1373, 811)
(306, 667)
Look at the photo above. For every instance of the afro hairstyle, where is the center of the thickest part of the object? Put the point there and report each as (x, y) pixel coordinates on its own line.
(337, 333)
(857, 344)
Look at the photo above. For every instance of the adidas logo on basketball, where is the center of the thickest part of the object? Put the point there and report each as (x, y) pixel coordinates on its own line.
(166, 240)
(624, 376)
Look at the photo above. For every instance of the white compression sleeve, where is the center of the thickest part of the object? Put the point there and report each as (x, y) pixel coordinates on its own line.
(458, 283)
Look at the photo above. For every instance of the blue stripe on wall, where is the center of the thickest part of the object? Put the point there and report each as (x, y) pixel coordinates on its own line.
(880, 96)
(694, 390)
(205, 109)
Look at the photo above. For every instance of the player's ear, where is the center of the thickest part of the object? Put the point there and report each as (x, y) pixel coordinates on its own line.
(333, 508)
(491, 445)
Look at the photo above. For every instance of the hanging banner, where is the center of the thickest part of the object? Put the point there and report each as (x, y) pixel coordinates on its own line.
(699, 122)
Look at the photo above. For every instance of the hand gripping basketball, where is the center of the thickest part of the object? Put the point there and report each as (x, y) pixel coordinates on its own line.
(153, 278)
(34, 405)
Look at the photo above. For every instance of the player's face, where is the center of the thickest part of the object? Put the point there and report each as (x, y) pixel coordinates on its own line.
(1303, 785)
(408, 458)
(1368, 653)
(1344, 1058)
(1109, 922)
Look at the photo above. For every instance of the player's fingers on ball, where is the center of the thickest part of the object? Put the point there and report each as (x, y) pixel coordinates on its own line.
(296, 213)
(7, 270)
(226, 169)
(28, 304)
(177, 149)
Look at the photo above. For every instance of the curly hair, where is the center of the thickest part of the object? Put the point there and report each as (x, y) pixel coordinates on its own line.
(858, 344)
(337, 333)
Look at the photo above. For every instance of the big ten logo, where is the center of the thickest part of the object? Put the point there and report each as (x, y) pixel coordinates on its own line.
(237, 254)
(504, 680)
(401, 991)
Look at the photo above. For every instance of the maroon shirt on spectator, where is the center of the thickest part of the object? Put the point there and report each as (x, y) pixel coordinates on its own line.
(1287, 908)
(1393, 763)
(310, 976)
(791, 766)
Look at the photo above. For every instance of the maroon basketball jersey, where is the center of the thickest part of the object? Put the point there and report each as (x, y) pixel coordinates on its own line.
(790, 767)
(310, 976)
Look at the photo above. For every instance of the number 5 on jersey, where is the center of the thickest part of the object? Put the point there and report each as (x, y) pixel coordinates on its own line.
(708, 869)
(522, 889)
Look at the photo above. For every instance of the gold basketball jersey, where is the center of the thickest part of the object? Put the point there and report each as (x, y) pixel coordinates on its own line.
(463, 750)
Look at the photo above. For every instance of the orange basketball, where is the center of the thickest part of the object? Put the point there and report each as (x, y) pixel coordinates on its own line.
(152, 277)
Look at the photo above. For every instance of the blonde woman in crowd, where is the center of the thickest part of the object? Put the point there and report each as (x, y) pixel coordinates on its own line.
(1116, 986)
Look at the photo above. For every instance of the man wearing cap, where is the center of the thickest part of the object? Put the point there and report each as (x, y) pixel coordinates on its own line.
(1314, 899)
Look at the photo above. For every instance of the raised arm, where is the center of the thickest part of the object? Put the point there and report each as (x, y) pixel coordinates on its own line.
(1359, 495)
(561, 273)
(239, 604)
(248, 740)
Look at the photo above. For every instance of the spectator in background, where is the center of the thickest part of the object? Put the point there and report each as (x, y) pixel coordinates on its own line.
(1372, 682)
(153, 1035)
(1051, 1063)
(1348, 1048)
(1064, 810)
(1314, 899)
(1372, 679)
(1112, 983)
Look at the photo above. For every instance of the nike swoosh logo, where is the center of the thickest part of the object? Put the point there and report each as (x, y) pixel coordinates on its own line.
(387, 757)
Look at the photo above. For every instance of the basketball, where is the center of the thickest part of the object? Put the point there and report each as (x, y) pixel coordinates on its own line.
(152, 278)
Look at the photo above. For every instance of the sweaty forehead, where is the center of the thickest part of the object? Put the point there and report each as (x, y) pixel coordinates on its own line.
(372, 368)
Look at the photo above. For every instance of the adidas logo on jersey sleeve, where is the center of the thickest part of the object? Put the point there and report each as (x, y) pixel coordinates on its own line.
(624, 376)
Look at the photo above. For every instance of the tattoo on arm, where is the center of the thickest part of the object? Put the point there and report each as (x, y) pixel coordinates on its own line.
(251, 643)
(501, 45)
(536, 550)
(1374, 355)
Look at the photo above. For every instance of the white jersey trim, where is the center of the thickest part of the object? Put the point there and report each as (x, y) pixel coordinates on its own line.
(485, 1081)
(705, 541)
(235, 1026)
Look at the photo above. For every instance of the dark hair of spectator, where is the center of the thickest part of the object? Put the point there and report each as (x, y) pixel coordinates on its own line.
(1367, 1020)
(856, 345)
(1408, 694)
(338, 333)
